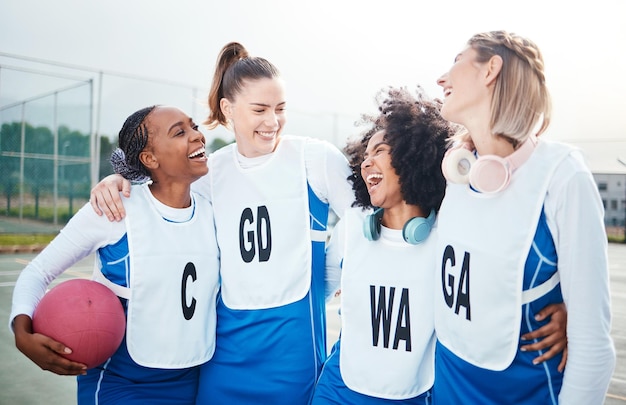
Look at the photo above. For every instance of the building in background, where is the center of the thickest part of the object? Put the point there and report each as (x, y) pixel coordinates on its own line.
(613, 193)
(66, 100)
(607, 161)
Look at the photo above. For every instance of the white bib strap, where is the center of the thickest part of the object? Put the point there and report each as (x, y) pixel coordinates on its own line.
(120, 291)
(542, 289)
(318, 236)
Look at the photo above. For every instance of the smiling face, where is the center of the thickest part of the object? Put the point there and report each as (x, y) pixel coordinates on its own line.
(258, 116)
(381, 179)
(465, 88)
(175, 150)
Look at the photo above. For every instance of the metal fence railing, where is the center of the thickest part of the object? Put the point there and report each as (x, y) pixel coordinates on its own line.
(46, 168)
(58, 126)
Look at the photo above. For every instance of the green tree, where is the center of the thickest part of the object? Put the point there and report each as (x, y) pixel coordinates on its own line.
(106, 148)
(73, 176)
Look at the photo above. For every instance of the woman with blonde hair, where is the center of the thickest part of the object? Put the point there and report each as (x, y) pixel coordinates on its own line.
(272, 194)
(521, 226)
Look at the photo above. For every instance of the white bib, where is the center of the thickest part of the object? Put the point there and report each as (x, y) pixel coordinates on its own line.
(261, 215)
(483, 244)
(174, 270)
(387, 334)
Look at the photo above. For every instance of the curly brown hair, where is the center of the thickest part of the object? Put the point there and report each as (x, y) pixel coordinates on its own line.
(417, 136)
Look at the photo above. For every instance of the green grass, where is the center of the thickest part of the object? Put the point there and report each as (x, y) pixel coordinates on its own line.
(25, 239)
(44, 239)
(44, 214)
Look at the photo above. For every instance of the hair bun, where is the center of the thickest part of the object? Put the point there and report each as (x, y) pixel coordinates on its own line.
(120, 166)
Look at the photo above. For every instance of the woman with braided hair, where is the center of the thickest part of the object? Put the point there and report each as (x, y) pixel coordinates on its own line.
(143, 260)
(271, 194)
(521, 226)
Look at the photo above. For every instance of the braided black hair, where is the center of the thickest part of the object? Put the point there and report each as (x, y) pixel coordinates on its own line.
(133, 138)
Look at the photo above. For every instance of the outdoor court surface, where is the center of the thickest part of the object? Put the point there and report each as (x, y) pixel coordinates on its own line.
(23, 383)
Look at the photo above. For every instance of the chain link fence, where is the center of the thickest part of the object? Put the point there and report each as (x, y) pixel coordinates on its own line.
(59, 123)
(46, 153)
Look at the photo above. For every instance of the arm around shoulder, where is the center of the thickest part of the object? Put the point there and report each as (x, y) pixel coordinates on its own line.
(105, 196)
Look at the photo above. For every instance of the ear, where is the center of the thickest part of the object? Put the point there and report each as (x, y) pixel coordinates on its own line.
(226, 107)
(494, 66)
(148, 160)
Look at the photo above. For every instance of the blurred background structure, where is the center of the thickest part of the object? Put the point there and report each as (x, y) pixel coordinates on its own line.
(58, 126)
(71, 71)
(56, 131)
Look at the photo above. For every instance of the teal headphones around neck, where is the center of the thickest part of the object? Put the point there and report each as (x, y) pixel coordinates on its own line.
(415, 231)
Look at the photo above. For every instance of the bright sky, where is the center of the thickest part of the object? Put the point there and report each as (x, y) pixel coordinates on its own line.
(335, 54)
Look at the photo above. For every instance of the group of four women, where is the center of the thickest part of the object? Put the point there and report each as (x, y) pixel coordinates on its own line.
(456, 244)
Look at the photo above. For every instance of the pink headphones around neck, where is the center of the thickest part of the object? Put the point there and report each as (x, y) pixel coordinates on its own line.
(488, 173)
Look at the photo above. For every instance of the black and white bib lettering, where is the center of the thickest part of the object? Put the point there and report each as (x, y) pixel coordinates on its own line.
(174, 270)
(387, 334)
(483, 243)
(261, 214)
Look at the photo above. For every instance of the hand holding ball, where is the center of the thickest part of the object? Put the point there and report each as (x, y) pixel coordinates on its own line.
(84, 315)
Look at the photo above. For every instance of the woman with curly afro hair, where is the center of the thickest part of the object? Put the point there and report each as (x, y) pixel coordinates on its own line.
(416, 135)
(380, 255)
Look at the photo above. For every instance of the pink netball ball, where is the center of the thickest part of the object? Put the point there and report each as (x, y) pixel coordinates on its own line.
(84, 315)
